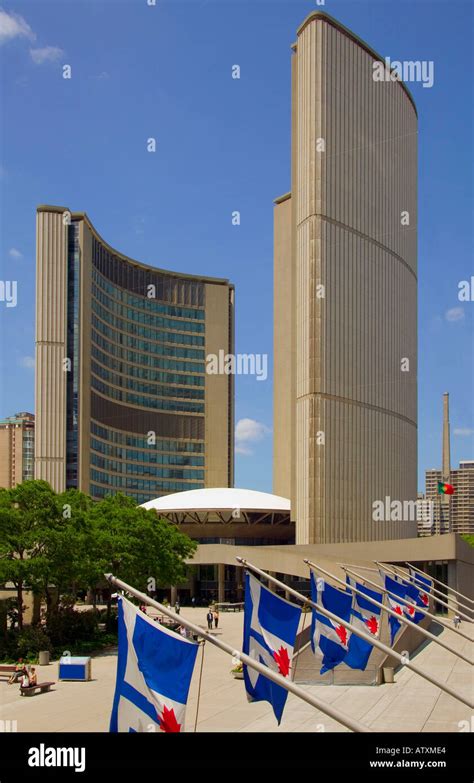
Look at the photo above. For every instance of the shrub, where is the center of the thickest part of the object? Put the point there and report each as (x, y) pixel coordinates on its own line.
(28, 642)
(68, 626)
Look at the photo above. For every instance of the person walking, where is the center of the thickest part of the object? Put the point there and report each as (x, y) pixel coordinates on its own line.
(210, 618)
(177, 607)
(456, 621)
(216, 617)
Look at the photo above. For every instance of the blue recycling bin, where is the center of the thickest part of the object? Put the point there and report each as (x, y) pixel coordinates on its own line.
(74, 668)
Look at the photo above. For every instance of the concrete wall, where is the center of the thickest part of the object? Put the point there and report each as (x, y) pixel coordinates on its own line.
(356, 410)
(51, 347)
(219, 416)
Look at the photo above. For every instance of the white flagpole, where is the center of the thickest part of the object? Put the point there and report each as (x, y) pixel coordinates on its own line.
(391, 611)
(368, 638)
(347, 567)
(424, 588)
(439, 582)
(403, 600)
(328, 709)
(443, 603)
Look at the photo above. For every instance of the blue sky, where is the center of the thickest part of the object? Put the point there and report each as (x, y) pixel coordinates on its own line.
(222, 145)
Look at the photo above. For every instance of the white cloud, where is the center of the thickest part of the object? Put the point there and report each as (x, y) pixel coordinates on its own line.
(243, 450)
(46, 54)
(28, 362)
(464, 431)
(14, 253)
(103, 76)
(455, 314)
(14, 26)
(248, 431)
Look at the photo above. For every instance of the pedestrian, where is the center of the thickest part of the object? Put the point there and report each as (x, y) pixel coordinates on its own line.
(193, 602)
(456, 621)
(183, 631)
(177, 607)
(210, 618)
(24, 680)
(216, 617)
(20, 669)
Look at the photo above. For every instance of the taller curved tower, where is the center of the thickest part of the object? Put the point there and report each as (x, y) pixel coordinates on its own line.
(123, 401)
(345, 404)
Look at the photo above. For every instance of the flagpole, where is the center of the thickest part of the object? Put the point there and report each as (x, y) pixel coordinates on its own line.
(375, 642)
(278, 679)
(296, 657)
(347, 566)
(404, 601)
(423, 587)
(439, 601)
(391, 611)
(438, 581)
(199, 687)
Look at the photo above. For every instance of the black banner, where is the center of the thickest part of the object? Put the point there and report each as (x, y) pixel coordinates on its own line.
(42, 756)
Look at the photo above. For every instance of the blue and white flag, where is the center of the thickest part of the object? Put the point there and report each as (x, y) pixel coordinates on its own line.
(394, 586)
(154, 670)
(270, 627)
(413, 595)
(328, 636)
(366, 617)
(425, 585)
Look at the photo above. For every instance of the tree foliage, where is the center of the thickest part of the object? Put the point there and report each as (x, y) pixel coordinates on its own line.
(58, 544)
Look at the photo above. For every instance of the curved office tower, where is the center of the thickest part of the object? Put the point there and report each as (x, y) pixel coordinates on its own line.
(345, 371)
(123, 401)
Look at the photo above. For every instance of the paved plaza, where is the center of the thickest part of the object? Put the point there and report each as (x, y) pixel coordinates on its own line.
(411, 704)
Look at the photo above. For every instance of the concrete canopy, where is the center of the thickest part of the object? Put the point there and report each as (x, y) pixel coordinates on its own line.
(219, 499)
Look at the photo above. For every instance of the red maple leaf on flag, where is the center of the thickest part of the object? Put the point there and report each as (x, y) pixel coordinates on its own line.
(372, 625)
(424, 598)
(342, 633)
(283, 661)
(168, 722)
(410, 610)
(398, 609)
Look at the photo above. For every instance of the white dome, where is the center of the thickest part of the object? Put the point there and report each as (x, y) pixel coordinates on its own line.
(219, 499)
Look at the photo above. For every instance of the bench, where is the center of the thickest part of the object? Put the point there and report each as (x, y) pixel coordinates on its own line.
(41, 686)
(6, 670)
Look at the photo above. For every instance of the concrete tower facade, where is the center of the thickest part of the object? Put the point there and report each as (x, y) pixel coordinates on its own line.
(345, 400)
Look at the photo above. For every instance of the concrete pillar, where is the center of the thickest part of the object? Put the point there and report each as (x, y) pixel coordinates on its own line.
(286, 579)
(240, 584)
(192, 582)
(452, 582)
(221, 583)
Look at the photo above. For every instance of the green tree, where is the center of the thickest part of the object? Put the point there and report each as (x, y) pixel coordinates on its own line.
(56, 544)
(136, 545)
(26, 512)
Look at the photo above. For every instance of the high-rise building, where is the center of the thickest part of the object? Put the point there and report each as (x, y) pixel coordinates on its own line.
(452, 513)
(17, 449)
(123, 400)
(345, 294)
